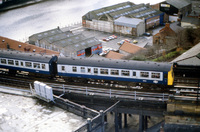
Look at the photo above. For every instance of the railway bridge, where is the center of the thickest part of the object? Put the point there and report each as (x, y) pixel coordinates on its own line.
(179, 110)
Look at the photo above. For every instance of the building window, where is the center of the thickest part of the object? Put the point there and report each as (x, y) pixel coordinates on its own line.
(43, 66)
(3, 61)
(83, 69)
(95, 70)
(155, 75)
(74, 69)
(144, 74)
(63, 68)
(11, 62)
(114, 72)
(104, 71)
(134, 73)
(28, 64)
(125, 73)
(17, 63)
(36, 65)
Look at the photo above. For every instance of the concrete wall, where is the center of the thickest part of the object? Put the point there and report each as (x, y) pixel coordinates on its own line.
(104, 26)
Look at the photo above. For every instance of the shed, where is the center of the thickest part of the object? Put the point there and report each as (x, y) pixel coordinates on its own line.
(131, 26)
(67, 43)
(190, 22)
(114, 55)
(176, 7)
(130, 48)
(190, 57)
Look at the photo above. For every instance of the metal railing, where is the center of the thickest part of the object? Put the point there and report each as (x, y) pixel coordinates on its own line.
(110, 93)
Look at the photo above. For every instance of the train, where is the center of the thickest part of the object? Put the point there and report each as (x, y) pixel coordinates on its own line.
(75, 68)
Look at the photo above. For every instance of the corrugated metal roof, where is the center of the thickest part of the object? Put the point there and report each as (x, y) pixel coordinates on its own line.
(77, 42)
(128, 22)
(45, 34)
(128, 9)
(191, 20)
(178, 3)
(191, 53)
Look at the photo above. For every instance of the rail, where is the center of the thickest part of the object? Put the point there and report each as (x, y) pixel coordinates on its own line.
(110, 93)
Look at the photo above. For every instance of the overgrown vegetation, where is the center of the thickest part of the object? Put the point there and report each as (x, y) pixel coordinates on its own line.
(169, 56)
(184, 40)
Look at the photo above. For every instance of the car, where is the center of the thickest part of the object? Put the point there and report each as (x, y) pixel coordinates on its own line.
(114, 36)
(106, 39)
(121, 42)
(135, 41)
(127, 40)
(147, 34)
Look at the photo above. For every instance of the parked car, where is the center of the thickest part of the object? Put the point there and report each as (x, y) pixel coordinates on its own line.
(127, 40)
(135, 41)
(106, 39)
(147, 34)
(121, 42)
(114, 36)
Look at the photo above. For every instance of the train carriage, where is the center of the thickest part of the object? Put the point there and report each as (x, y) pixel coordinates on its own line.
(32, 63)
(116, 70)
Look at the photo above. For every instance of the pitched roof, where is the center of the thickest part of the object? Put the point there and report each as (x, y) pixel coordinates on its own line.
(130, 48)
(128, 22)
(191, 20)
(128, 9)
(194, 52)
(178, 3)
(24, 47)
(114, 55)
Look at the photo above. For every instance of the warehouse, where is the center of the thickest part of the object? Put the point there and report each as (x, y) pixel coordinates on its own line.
(67, 43)
(176, 9)
(107, 19)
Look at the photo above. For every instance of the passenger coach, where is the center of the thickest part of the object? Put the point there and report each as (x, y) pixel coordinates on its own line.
(33, 63)
(116, 70)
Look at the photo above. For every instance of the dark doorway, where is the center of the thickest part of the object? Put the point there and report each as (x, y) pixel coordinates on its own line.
(88, 51)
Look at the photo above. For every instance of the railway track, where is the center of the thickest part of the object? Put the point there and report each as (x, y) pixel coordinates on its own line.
(183, 88)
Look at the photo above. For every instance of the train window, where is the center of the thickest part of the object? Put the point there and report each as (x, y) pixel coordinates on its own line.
(17, 63)
(144, 74)
(155, 75)
(83, 69)
(95, 70)
(114, 72)
(22, 63)
(104, 71)
(134, 73)
(125, 73)
(74, 69)
(3, 61)
(89, 70)
(36, 65)
(11, 62)
(63, 68)
(28, 64)
(43, 66)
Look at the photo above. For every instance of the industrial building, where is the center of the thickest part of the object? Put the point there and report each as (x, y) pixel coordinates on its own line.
(67, 43)
(176, 9)
(124, 18)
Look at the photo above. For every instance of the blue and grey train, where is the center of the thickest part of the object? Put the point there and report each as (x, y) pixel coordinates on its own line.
(89, 68)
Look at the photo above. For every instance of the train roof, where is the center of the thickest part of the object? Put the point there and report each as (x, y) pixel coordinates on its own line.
(120, 64)
(24, 56)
